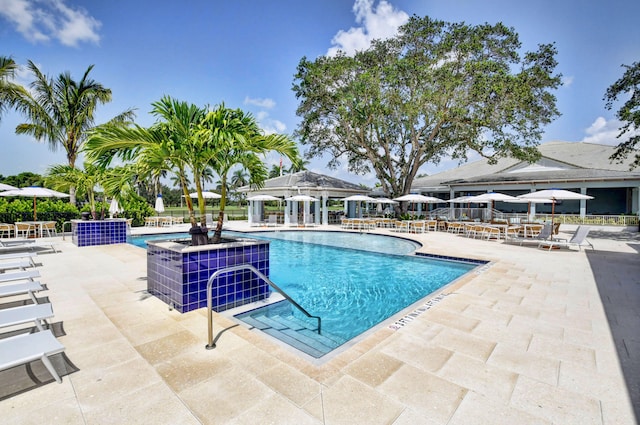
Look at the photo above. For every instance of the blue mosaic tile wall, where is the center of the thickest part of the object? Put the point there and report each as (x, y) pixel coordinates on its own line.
(180, 279)
(98, 232)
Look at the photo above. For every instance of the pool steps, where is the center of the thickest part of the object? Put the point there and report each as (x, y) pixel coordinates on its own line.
(279, 323)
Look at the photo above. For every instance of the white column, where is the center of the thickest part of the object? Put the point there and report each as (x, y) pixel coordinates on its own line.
(583, 202)
(250, 213)
(316, 213)
(325, 210)
(287, 207)
(305, 211)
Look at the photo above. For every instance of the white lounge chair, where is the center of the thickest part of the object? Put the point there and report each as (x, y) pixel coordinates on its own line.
(273, 221)
(578, 239)
(36, 313)
(22, 244)
(22, 349)
(29, 275)
(29, 288)
(543, 236)
(29, 256)
(12, 265)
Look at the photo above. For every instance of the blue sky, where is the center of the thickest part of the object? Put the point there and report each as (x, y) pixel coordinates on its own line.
(245, 52)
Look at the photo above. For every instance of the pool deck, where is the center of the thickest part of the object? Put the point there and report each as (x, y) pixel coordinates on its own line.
(534, 337)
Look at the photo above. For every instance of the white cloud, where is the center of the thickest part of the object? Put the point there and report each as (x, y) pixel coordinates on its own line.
(43, 20)
(567, 80)
(605, 132)
(263, 103)
(379, 22)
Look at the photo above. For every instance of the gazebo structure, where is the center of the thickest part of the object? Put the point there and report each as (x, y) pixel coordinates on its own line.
(318, 186)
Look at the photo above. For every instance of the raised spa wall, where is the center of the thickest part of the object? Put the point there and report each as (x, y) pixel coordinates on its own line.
(177, 273)
(98, 232)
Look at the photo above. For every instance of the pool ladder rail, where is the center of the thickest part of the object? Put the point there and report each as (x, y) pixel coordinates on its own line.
(210, 344)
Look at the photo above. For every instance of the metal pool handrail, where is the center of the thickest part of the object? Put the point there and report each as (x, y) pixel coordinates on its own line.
(210, 345)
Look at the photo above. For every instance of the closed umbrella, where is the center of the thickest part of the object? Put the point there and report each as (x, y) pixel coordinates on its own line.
(159, 204)
(114, 207)
(34, 192)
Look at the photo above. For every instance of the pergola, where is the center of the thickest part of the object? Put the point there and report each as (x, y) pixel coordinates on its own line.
(319, 186)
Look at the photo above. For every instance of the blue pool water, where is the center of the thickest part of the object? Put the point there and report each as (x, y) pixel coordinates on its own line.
(353, 281)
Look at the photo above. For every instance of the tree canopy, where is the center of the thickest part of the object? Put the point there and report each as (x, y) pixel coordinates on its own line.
(629, 112)
(435, 89)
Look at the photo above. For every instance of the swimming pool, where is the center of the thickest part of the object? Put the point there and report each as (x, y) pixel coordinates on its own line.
(352, 281)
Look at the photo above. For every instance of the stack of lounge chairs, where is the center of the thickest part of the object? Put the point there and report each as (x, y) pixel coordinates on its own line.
(20, 345)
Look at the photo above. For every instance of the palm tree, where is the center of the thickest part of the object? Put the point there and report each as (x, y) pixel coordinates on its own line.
(9, 91)
(85, 181)
(62, 111)
(301, 165)
(239, 178)
(169, 145)
(275, 171)
(233, 138)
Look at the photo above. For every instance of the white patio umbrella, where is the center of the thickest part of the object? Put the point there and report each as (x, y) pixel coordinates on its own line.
(555, 195)
(489, 197)
(7, 187)
(35, 192)
(206, 195)
(263, 198)
(359, 198)
(522, 200)
(415, 198)
(385, 201)
(301, 198)
(459, 200)
(159, 204)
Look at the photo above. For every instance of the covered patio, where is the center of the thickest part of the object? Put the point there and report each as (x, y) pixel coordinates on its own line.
(318, 186)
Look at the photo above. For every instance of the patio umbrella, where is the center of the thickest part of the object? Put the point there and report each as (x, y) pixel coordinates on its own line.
(7, 187)
(490, 197)
(359, 198)
(522, 200)
(34, 192)
(159, 204)
(555, 195)
(263, 198)
(415, 198)
(206, 195)
(385, 201)
(303, 198)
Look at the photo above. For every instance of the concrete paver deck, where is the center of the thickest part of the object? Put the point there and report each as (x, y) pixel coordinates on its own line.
(535, 337)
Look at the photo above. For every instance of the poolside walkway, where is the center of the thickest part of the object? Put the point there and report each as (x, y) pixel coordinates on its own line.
(535, 337)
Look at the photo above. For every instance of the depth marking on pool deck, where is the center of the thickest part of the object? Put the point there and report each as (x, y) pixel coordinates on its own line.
(417, 312)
